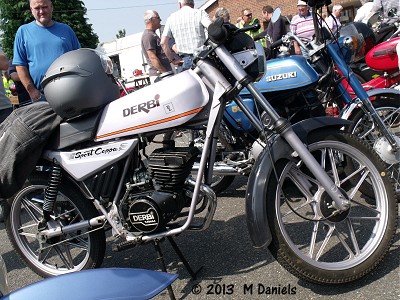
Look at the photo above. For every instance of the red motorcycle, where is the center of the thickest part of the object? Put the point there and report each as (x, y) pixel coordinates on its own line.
(382, 57)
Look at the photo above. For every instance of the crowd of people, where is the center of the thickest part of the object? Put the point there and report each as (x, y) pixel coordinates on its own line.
(186, 30)
(38, 43)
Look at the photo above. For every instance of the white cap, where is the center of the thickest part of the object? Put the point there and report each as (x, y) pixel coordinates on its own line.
(302, 3)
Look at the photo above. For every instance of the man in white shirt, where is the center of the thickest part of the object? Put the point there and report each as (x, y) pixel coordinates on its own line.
(333, 21)
(188, 27)
(364, 12)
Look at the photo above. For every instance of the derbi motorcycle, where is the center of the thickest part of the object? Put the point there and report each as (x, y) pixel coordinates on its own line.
(304, 196)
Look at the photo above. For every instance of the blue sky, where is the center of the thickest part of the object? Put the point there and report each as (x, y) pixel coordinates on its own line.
(107, 17)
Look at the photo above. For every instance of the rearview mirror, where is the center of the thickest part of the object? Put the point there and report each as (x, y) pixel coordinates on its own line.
(276, 14)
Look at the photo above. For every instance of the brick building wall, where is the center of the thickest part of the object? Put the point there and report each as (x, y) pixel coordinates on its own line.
(288, 7)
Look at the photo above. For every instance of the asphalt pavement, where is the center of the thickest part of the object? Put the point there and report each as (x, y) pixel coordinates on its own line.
(231, 267)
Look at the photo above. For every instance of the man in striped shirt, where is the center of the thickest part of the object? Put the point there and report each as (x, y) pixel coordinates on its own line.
(189, 28)
(302, 26)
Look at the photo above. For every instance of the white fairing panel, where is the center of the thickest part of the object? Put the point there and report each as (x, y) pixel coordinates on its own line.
(83, 163)
(165, 104)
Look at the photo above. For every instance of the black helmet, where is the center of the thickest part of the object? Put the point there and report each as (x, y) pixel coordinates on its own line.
(79, 82)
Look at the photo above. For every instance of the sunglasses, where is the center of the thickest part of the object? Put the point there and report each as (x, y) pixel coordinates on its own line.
(248, 15)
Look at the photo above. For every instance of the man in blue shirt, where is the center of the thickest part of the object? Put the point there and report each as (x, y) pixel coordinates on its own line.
(38, 44)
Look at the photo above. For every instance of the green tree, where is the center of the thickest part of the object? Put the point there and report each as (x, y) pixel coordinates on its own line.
(121, 33)
(14, 13)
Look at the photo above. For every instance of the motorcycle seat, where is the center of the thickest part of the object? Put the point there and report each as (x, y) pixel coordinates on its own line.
(75, 131)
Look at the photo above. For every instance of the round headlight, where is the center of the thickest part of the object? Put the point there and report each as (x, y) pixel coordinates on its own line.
(350, 42)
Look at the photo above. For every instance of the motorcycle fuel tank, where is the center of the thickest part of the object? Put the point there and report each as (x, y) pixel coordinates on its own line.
(165, 104)
(383, 56)
(286, 73)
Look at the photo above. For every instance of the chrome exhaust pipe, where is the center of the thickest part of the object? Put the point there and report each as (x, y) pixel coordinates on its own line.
(219, 169)
(82, 225)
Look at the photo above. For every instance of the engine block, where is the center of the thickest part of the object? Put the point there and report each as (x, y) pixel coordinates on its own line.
(169, 168)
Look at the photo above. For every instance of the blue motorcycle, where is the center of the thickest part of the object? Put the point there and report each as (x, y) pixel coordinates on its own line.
(301, 88)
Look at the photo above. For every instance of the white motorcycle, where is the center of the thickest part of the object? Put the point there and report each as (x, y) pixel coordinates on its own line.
(304, 196)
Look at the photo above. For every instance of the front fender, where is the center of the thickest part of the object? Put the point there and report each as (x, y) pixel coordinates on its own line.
(256, 206)
(349, 109)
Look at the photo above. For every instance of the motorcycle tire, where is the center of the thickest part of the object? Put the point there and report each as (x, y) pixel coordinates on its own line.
(184, 138)
(63, 254)
(308, 239)
(362, 125)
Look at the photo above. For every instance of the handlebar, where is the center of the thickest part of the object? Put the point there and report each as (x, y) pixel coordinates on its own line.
(285, 40)
(276, 44)
(387, 28)
(254, 28)
(218, 31)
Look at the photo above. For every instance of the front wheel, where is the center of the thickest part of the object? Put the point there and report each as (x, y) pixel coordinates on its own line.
(312, 241)
(63, 254)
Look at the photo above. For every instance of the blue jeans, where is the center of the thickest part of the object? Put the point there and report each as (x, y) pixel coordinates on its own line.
(187, 63)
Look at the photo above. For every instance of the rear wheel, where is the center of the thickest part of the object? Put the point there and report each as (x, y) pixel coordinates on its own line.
(309, 239)
(63, 254)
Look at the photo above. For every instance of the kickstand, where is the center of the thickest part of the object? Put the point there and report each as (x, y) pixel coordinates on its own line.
(160, 258)
(183, 259)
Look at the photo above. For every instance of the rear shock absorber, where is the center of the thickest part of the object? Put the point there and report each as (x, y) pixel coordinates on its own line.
(50, 195)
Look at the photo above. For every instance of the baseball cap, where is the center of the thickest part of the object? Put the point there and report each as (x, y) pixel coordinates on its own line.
(302, 3)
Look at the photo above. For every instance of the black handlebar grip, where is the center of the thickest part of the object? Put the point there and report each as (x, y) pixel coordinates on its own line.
(217, 32)
(276, 44)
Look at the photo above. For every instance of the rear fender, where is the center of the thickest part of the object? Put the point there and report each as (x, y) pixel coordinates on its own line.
(256, 206)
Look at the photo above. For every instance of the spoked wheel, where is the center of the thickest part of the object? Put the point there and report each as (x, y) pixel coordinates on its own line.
(312, 241)
(67, 253)
(389, 111)
(186, 137)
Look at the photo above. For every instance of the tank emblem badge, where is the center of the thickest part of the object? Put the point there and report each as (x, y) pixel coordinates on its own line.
(169, 108)
(281, 76)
